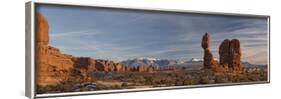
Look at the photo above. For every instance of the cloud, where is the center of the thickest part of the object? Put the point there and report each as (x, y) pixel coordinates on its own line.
(72, 34)
(124, 34)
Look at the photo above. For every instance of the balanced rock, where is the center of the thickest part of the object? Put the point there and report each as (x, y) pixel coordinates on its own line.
(205, 41)
(209, 61)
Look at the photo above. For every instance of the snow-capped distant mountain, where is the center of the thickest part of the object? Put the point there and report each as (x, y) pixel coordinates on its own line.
(166, 62)
(195, 60)
(153, 62)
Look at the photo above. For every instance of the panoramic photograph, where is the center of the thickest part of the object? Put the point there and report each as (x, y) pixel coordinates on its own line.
(80, 49)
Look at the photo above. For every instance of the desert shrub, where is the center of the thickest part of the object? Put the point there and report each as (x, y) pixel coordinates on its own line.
(188, 82)
(243, 78)
(101, 87)
(41, 89)
(253, 77)
(179, 82)
(50, 88)
(221, 79)
(99, 75)
(115, 87)
(163, 81)
(148, 80)
(131, 75)
(170, 75)
(124, 84)
(206, 80)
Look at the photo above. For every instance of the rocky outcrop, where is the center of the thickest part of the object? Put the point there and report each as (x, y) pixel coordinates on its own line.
(235, 54)
(209, 61)
(150, 69)
(120, 67)
(229, 55)
(145, 68)
(224, 53)
(110, 66)
(51, 66)
(85, 63)
(141, 68)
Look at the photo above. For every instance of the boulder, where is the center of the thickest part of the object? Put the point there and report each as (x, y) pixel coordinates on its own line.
(205, 41)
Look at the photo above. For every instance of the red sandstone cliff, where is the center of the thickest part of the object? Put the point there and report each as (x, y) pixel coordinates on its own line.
(53, 67)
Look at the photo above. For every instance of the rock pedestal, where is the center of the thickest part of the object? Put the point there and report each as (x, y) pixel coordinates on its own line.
(209, 61)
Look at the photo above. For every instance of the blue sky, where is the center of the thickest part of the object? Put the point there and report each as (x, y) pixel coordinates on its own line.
(126, 34)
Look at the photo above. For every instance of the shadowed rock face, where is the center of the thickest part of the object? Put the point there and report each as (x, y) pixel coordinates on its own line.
(230, 53)
(142, 68)
(235, 54)
(110, 66)
(205, 41)
(85, 63)
(224, 52)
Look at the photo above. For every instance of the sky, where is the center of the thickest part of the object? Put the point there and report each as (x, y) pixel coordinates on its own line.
(119, 34)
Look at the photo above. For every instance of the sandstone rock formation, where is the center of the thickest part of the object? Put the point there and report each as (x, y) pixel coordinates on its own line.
(235, 54)
(110, 66)
(120, 67)
(224, 53)
(208, 56)
(142, 68)
(85, 63)
(145, 68)
(229, 55)
(51, 66)
(151, 69)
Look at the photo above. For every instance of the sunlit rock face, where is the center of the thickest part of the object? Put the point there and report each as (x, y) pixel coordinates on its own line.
(51, 66)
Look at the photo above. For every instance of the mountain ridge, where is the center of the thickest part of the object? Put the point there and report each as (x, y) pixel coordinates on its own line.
(172, 62)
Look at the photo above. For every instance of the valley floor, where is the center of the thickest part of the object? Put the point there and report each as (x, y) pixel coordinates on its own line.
(132, 80)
